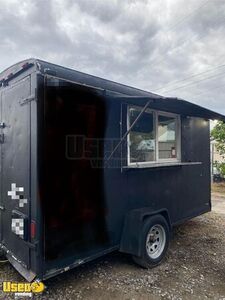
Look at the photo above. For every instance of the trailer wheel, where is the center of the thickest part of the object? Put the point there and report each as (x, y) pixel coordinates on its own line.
(155, 242)
(2, 254)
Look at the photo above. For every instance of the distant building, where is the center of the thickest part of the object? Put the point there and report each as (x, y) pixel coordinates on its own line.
(215, 157)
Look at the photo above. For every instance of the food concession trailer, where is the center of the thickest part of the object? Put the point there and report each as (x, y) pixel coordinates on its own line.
(90, 166)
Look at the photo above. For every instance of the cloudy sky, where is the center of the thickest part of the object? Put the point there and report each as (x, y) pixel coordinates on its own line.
(171, 47)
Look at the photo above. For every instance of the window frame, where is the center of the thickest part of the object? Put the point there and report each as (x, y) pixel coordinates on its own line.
(156, 114)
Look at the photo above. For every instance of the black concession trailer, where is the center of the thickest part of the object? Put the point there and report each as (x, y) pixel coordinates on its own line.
(89, 166)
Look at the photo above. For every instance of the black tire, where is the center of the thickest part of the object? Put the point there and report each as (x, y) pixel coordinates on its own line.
(2, 254)
(147, 260)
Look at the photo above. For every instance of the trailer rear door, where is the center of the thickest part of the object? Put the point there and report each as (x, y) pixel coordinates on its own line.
(15, 170)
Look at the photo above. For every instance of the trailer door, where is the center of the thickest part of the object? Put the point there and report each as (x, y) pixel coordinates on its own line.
(15, 166)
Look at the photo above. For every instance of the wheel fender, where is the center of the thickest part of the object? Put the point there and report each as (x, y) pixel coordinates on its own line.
(132, 229)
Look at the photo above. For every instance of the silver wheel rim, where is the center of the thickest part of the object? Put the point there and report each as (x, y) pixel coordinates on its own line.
(156, 241)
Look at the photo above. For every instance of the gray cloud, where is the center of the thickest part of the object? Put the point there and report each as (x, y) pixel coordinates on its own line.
(142, 43)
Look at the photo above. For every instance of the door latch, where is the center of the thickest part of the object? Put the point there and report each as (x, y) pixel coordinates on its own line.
(2, 125)
(2, 207)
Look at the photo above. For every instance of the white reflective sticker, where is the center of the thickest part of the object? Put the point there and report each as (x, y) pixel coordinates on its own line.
(18, 227)
(14, 194)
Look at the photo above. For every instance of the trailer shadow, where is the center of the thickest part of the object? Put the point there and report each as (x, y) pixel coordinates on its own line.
(195, 264)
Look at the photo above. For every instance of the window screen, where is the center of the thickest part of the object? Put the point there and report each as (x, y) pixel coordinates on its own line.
(154, 137)
(142, 137)
(167, 137)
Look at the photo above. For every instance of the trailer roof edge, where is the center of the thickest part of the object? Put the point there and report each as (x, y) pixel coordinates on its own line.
(66, 73)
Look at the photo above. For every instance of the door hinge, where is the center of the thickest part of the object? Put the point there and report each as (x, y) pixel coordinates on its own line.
(27, 100)
(31, 245)
(2, 137)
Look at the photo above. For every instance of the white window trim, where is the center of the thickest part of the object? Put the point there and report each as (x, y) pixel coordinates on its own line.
(157, 161)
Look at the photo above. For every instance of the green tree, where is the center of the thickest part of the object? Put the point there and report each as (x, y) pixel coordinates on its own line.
(218, 135)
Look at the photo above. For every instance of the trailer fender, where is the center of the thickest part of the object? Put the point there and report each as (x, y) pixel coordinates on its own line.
(131, 235)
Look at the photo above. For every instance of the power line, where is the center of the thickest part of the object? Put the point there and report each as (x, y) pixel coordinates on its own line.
(193, 83)
(186, 40)
(187, 16)
(212, 88)
(178, 47)
(189, 77)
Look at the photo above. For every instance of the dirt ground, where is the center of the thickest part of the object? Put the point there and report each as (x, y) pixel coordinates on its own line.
(193, 269)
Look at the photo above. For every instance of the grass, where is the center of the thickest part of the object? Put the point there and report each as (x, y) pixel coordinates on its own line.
(218, 187)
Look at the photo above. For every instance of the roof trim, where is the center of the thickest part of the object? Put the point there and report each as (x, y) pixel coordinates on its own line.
(174, 105)
(169, 104)
(15, 70)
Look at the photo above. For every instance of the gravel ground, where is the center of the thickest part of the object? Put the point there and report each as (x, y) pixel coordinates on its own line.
(193, 269)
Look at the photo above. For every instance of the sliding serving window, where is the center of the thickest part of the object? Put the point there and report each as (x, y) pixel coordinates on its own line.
(142, 136)
(154, 138)
(167, 137)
